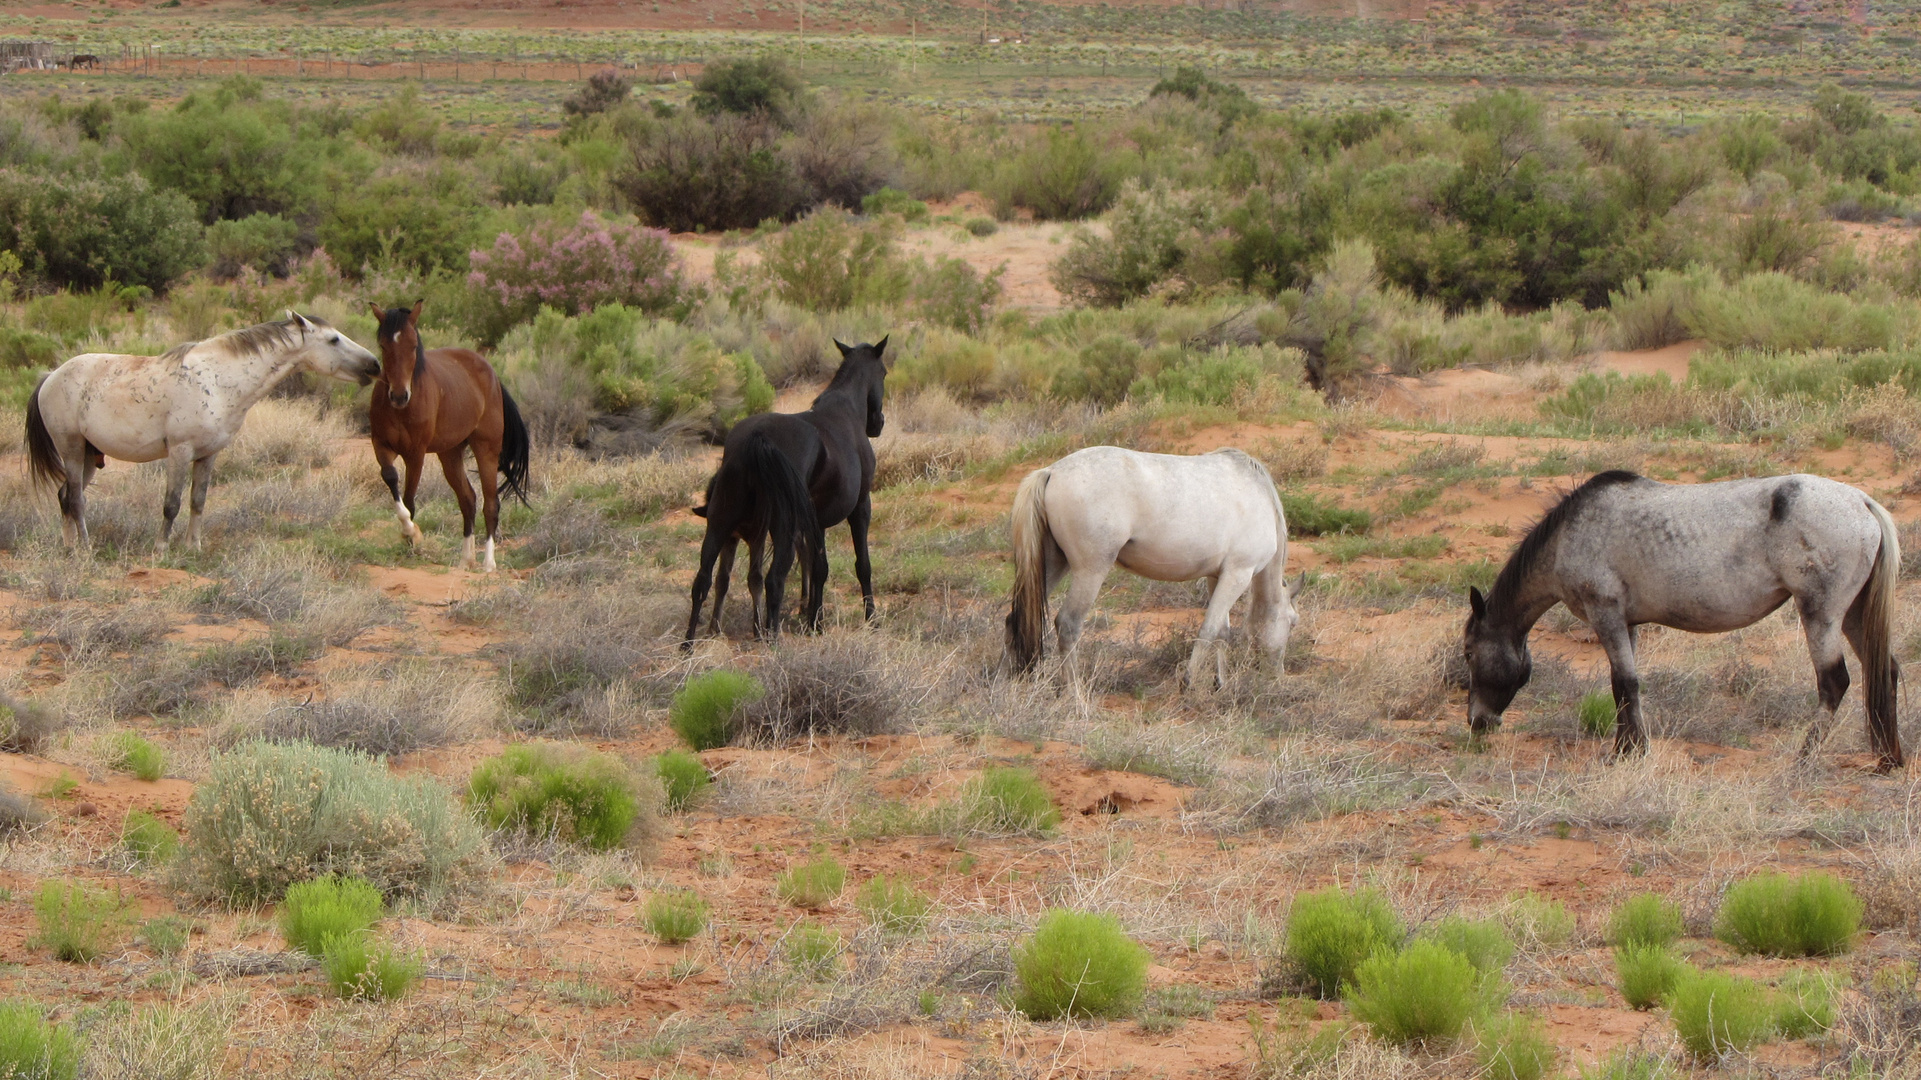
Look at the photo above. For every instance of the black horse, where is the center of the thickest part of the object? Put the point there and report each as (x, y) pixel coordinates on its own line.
(789, 477)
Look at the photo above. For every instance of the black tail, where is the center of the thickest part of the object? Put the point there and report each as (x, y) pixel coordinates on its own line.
(788, 508)
(42, 457)
(515, 447)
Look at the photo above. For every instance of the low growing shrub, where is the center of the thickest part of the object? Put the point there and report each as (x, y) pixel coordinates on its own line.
(1812, 914)
(1330, 932)
(1007, 799)
(1648, 973)
(682, 776)
(1715, 1014)
(31, 1048)
(1645, 919)
(574, 268)
(148, 839)
(359, 967)
(581, 797)
(812, 885)
(1512, 1047)
(1482, 942)
(1079, 964)
(129, 753)
(1425, 993)
(76, 922)
(813, 950)
(703, 712)
(1804, 1005)
(326, 907)
(833, 684)
(893, 906)
(1596, 714)
(675, 917)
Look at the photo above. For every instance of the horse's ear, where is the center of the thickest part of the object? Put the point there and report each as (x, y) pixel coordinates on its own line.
(379, 312)
(1294, 587)
(880, 346)
(298, 319)
(413, 317)
(844, 350)
(1476, 601)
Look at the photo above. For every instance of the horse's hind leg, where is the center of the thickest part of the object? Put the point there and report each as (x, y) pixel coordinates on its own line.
(857, 523)
(723, 571)
(710, 546)
(754, 580)
(202, 483)
(179, 469)
(1081, 594)
(73, 497)
(1824, 634)
(453, 465)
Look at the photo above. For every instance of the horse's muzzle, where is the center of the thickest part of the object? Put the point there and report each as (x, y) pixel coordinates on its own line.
(399, 401)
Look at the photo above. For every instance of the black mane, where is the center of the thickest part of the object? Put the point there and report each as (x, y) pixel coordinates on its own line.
(1535, 543)
(392, 323)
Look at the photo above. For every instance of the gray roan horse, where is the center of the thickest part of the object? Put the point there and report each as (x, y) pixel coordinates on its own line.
(1622, 550)
(1163, 516)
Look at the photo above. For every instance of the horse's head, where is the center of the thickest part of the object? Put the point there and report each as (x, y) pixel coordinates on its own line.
(401, 353)
(1498, 664)
(866, 362)
(1275, 618)
(331, 353)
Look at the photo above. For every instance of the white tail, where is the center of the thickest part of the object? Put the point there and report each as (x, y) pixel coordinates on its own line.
(1879, 669)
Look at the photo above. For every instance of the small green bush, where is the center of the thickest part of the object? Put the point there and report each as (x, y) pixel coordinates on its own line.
(675, 917)
(591, 799)
(166, 934)
(33, 1049)
(1813, 914)
(1648, 973)
(1715, 1013)
(1330, 932)
(813, 950)
(1631, 1064)
(1512, 1047)
(1483, 942)
(132, 754)
(1645, 919)
(148, 839)
(357, 966)
(1008, 799)
(981, 226)
(1079, 964)
(894, 201)
(683, 777)
(1538, 922)
(812, 885)
(1804, 1005)
(1596, 713)
(76, 922)
(1311, 515)
(893, 906)
(327, 907)
(703, 711)
(1425, 993)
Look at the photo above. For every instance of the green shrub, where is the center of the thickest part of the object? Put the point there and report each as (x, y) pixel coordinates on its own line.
(1310, 515)
(675, 917)
(148, 839)
(421, 220)
(33, 1049)
(357, 966)
(691, 172)
(166, 934)
(1149, 236)
(76, 922)
(326, 907)
(1008, 799)
(1645, 919)
(266, 242)
(1330, 932)
(1079, 964)
(1776, 312)
(591, 799)
(703, 711)
(130, 753)
(1538, 922)
(813, 950)
(1060, 177)
(981, 226)
(893, 906)
(268, 815)
(1483, 942)
(1648, 973)
(1596, 713)
(1425, 993)
(894, 201)
(1715, 1013)
(683, 777)
(813, 884)
(1512, 1047)
(77, 231)
(1804, 1005)
(1813, 914)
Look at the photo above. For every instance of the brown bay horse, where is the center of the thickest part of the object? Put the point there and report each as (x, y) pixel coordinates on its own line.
(441, 402)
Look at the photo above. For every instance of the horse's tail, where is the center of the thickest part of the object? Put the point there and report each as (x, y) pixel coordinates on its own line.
(1879, 669)
(1027, 616)
(789, 509)
(43, 458)
(515, 448)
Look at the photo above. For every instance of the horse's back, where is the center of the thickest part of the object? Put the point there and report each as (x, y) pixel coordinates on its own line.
(1165, 516)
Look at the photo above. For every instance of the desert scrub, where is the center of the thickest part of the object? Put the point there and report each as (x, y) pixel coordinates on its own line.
(269, 815)
(676, 917)
(1484, 943)
(1812, 914)
(147, 839)
(812, 950)
(76, 922)
(587, 798)
(359, 967)
(1645, 919)
(161, 1041)
(129, 753)
(325, 907)
(1513, 1047)
(33, 1049)
(1079, 963)
(703, 712)
(1538, 922)
(837, 683)
(1425, 993)
(893, 906)
(1596, 714)
(1330, 932)
(1647, 974)
(1008, 799)
(1715, 1014)
(813, 884)
(682, 777)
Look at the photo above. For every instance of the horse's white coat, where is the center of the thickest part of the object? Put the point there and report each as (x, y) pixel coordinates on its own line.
(1165, 517)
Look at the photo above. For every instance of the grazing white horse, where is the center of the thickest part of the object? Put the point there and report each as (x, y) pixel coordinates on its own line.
(1164, 517)
(184, 405)
(1622, 550)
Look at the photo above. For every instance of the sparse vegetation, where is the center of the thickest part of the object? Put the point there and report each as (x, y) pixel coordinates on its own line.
(76, 922)
(1810, 914)
(148, 839)
(130, 753)
(813, 884)
(1009, 799)
(1330, 932)
(358, 966)
(676, 917)
(1079, 964)
(894, 906)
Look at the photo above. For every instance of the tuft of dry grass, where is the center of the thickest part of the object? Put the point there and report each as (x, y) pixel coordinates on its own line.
(388, 712)
(838, 683)
(282, 433)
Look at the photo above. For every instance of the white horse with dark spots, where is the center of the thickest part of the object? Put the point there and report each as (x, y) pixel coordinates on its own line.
(1164, 517)
(1622, 550)
(185, 406)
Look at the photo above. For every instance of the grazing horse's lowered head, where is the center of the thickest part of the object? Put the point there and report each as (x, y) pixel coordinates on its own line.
(401, 351)
(1498, 665)
(865, 362)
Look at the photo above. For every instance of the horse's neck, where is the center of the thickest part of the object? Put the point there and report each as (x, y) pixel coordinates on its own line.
(243, 381)
(843, 401)
(1521, 608)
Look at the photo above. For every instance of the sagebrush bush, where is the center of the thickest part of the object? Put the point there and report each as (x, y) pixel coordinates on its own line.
(703, 711)
(893, 906)
(130, 753)
(724, 171)
(1483, 942)
(813, 950)
(591, 799)
(834, 684)
(1330, 932)
(1647, 973)
(682, 776)
(674, 917)
(1150, 235)
(327, 906)
(77, 922)
(1812, 914)
(1715, 1014)
(574, 269)
(1425, 993)
(31, 1048)
(269, 815)
(1645, 919)
(1009, 799)
(813, 884)
(1079, 963)
(83, 231)
(1512, 1047)
(148, 839)
(358, 966)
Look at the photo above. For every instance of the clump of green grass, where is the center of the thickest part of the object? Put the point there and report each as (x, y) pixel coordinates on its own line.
(682, 776)
(165, 934)
(1310, 515)
(1715, 1014)
(148, 839)
(129, 753)
(359, 967)
(1812, 914)
(1804, 1005)
(813, 950)
(1596, 713)
(1647, 974)
(1539, 922)
(1631, 1064)
(893, 906)
(1009, 799)
(587, 798)
(76, 922)
(1330, 932)
(1514, 1047)
(675, 917)
(1079, 964)
(1168, 1007)
(1482, 942)
(1425, 993)
(703, 711)
(1645, 919)
(812, 885)
(33, 1049)
(328, 907)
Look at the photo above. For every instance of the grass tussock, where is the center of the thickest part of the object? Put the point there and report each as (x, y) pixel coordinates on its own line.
(1079, 964)
(1809, 914)
(161, 1041)
(385, 712)
(1330, 932)
(1715, 1014)
(812, 885)
(76, 922)
(327, 906)
(676, 917)
(705, 712)
(566, 792)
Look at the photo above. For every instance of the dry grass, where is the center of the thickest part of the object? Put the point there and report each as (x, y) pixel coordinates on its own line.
(398, 710)
(282, 433)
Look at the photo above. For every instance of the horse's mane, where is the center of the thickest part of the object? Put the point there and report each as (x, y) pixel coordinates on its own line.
(392, 323)
(249, 340)
(1535, 544)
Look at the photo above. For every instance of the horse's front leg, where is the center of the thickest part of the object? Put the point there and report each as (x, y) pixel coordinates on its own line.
(704, 578)
(202, 483)
(1227, 588)
(857, 523)
(179, 469)
(1618, 639)
(1823, 632)
(405, 508)
(453, 465)
(723, 573)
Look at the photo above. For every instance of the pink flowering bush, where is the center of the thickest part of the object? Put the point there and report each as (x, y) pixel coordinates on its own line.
(574, 269)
